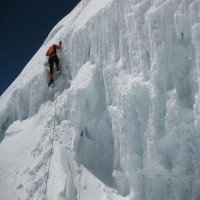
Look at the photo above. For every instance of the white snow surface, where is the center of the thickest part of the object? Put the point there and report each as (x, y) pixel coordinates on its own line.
(124, 117)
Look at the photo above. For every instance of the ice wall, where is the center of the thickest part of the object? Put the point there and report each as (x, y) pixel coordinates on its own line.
(148, 55)
(133, 108)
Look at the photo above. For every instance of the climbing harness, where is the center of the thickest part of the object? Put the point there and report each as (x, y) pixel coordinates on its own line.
(53, 136)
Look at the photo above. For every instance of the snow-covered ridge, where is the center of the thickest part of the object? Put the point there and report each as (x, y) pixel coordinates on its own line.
(131, 115)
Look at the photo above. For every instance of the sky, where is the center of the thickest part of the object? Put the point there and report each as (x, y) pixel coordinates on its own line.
(24, 26)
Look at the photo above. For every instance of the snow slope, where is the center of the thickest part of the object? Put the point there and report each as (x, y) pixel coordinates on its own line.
(124, 117)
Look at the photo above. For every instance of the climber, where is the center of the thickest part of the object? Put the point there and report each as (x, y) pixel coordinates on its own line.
(53, 58)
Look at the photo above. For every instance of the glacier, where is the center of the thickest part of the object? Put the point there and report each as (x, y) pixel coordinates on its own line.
(124, 117)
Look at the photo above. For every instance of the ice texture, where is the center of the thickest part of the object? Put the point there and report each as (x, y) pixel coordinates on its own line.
(126, 110)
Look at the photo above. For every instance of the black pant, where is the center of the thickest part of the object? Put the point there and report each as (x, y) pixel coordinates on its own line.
(53, 59)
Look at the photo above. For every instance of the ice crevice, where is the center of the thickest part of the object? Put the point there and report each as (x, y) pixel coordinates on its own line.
(85, 105)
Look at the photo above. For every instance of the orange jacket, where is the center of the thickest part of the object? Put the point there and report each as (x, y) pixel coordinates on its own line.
(52, 49)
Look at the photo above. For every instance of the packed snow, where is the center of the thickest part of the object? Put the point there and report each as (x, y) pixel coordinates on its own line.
(123, 120)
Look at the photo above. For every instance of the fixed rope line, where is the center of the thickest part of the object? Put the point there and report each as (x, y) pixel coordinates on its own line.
(79, 185)
(54, 125)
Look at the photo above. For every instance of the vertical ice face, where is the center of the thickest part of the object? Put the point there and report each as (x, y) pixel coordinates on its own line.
(132, 112)
(148, 52)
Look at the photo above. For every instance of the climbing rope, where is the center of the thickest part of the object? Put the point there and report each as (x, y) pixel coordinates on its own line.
(54, 125)
(79, 185)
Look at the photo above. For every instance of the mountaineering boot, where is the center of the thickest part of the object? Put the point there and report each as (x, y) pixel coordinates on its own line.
(51, 80)
(50, 83)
